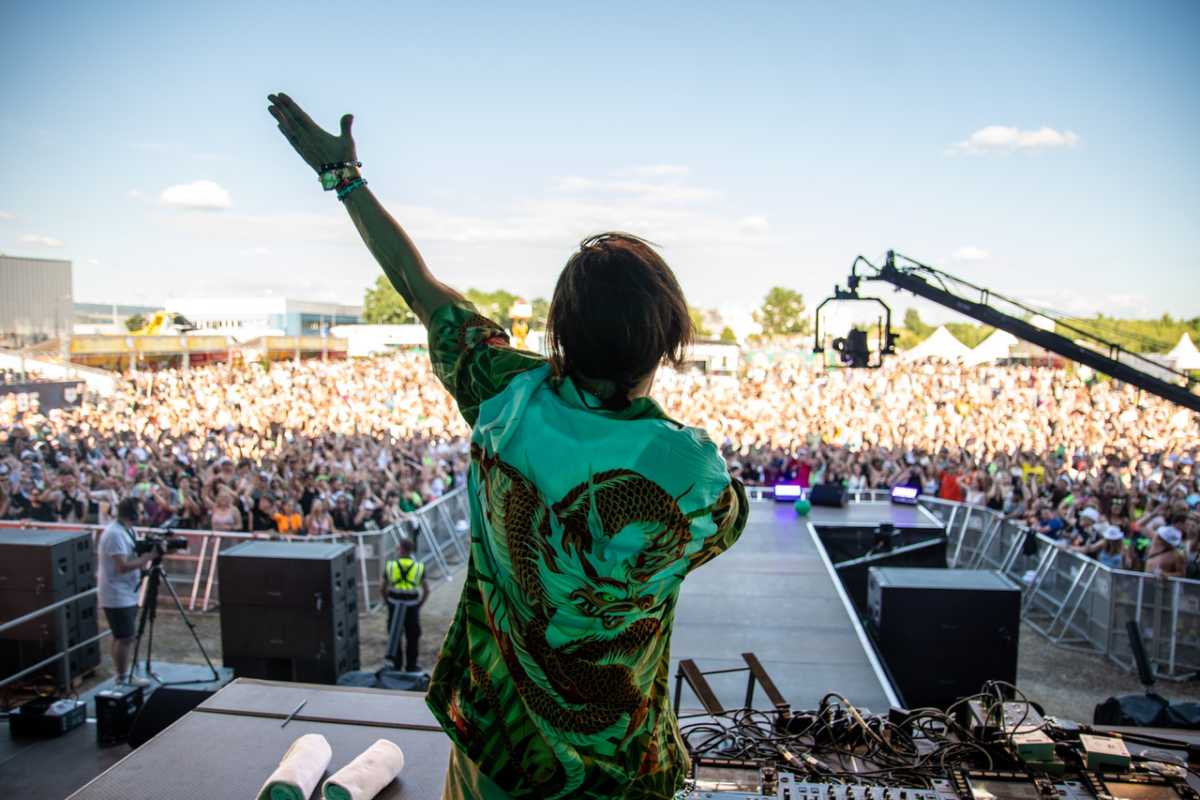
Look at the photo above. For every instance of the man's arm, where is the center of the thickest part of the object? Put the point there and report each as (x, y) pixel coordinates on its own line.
(384, 237)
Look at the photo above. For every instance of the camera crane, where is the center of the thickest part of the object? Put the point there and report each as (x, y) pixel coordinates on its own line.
(1084, 347)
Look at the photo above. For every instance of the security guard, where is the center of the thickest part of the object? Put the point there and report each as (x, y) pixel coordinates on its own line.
(404, 587)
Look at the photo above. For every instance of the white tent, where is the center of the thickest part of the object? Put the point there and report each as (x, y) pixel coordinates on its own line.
(993, 348)
(940, 344)
(1185, 355)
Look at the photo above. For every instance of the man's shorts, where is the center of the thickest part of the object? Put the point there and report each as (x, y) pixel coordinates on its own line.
(122, 621)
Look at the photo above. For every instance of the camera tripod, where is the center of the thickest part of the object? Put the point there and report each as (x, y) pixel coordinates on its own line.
(156, 577)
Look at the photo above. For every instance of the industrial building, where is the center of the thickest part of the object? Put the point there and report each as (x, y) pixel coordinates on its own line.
(36, 302)
(246, 318)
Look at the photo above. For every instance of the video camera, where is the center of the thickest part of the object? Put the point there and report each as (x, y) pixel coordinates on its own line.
(162, 542)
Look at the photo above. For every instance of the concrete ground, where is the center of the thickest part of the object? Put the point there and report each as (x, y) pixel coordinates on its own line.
(1065, 682)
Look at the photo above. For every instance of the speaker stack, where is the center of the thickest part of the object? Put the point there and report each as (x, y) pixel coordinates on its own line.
(37, 568)
(289, 610)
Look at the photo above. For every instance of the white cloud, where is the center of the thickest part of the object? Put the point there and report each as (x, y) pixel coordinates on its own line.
(7, 215)
(205, 195)
(95, 262)
(40, 240)
(135, 194)
(1006, 139)
(754, 225)
(658, 171)
(256, 251)
(672, 192)
(970, 253)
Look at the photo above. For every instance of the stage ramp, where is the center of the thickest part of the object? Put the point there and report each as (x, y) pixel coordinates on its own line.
(773, 594)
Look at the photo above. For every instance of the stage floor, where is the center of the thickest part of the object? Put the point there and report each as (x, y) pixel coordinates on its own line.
(772, 595)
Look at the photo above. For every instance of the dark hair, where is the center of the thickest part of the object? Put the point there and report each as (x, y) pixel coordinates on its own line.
(127, 509)
(617, 313)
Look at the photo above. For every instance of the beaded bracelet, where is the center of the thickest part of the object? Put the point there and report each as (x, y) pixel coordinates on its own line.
(344, 192)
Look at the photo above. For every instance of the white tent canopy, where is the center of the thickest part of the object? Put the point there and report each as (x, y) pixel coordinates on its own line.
(993, 348)
(940, 344)
(1184, 354)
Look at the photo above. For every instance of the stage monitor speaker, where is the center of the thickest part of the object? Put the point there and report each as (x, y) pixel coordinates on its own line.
(316, 575)
(828, 494)
(46, 561)
(163, 707)
(944, 632)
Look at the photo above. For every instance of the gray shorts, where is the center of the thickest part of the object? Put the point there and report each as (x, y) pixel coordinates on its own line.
(122, 621)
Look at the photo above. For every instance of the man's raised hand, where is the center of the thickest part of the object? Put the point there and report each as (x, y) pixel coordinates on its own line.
(313, 144)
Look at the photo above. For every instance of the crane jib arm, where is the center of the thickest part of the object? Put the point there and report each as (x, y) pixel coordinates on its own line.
(1049, 340)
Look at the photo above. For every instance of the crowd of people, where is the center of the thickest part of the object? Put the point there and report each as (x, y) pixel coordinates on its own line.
(315, 448)
(319, 447)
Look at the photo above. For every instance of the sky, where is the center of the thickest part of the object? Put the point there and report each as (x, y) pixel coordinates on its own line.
(1050, 151)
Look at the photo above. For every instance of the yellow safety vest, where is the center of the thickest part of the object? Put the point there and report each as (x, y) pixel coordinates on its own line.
(405, 574)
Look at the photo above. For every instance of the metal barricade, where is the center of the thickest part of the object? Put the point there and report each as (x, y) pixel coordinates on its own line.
(1074, 600)
(441, 530)
(62, 654)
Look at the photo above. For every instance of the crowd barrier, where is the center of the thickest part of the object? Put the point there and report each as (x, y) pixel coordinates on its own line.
(440, 530)
(1069, 598)
(1074, 600)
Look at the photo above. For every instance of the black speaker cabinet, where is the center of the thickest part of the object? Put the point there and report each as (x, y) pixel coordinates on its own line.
(828, 494)
(37, 568)
(46, 561)
(289, 610)
(165, 705)
(943, 632)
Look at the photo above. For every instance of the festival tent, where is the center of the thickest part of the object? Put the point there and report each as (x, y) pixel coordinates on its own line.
(940, 344)
(993, 348)
(1185, 355)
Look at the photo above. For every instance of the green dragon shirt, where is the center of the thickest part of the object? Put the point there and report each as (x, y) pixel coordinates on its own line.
(553, 679)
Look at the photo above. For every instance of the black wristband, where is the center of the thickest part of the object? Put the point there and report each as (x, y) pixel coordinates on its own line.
(338, 165)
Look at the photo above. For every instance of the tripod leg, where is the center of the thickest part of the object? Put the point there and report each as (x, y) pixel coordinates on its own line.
(191, 627)
(146, 622)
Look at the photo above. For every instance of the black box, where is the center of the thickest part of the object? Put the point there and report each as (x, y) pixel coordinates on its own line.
(46, 717)
(46, 561)
(289, 610)
(943, 632)
(116, 709)
(313, 575)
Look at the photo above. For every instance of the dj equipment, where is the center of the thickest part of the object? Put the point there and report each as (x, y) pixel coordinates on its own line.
(828, 494)
(46, 717)
(37, 568)
(969, 618)
(289, 610)
(905, 495)
(164, 705)
(116, 709)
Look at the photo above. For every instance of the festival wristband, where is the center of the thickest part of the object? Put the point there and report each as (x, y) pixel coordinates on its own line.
(335, 175)
(344, 192)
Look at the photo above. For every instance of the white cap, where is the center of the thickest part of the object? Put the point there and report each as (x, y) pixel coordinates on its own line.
(1090, 513)
(1170, 534)
(1112, 533)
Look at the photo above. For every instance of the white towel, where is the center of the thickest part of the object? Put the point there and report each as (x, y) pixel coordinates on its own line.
(365, 776)
(299, 770)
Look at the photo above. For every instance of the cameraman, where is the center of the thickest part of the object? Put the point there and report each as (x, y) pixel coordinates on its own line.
(117, 579)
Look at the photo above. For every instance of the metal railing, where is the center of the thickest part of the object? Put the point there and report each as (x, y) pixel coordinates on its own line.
(63, 654)
(1074, 600)
(440, 530)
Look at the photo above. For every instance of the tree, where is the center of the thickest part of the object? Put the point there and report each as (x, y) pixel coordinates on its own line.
(493, 305)
(782, 313)
(728, 336)
(383, 305)
(541, 312)
(135, 322)
(698, 325)
(914, 323)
